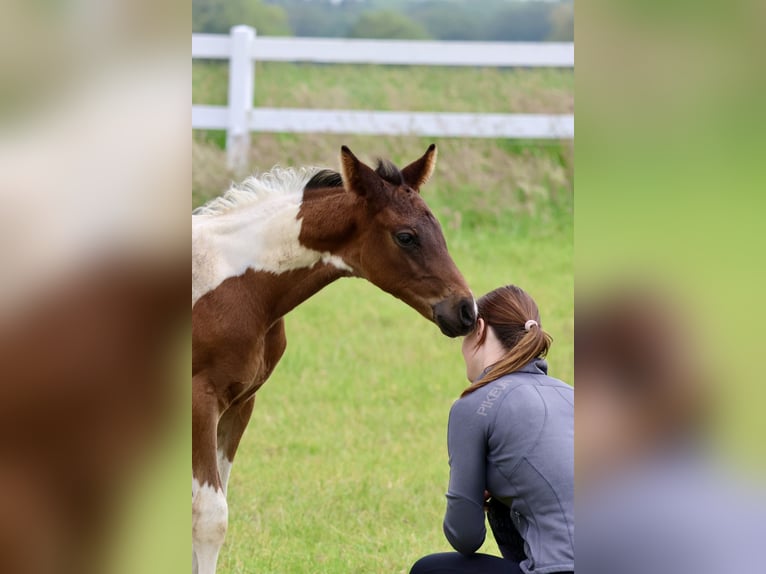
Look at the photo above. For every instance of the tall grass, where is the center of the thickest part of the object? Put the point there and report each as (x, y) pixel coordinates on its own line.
(413, 88)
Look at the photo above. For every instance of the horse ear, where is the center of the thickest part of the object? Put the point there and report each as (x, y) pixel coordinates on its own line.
(357, 177)
(419, 171)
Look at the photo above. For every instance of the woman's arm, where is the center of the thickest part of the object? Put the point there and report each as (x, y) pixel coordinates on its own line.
(508, 539)
(467, 444)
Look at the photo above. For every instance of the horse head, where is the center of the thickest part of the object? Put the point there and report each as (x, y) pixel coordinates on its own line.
(399, 244)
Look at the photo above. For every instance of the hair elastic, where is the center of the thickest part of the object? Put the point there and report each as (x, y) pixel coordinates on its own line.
(528, 325)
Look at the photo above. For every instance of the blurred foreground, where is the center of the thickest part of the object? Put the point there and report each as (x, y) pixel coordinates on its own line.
(670, 283)
(94, 183)
(653, 495)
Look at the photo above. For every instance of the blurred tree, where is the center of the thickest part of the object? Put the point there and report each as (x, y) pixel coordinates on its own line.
(504, 20)
(562, 22)
(521, 22)
(319, 20)
(387, 24)
(218, 16)
(458, 22)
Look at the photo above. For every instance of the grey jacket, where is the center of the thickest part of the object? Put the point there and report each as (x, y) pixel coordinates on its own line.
(515, 438)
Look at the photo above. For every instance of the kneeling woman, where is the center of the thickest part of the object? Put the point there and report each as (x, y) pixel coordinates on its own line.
(511, 449)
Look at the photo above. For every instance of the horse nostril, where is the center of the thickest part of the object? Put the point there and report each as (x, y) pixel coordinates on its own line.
(467, 313)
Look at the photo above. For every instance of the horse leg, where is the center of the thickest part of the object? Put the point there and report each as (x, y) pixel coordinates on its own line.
(234, 421)
(218, 441)
(230, 430)
(209, 508)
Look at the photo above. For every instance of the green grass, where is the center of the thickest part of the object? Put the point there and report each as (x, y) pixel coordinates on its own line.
(344, 465)
(419, 88)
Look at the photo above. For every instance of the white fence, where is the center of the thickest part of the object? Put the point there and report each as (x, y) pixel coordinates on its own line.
(242, 48)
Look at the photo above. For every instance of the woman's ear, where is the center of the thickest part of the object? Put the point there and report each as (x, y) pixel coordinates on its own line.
(480, 326)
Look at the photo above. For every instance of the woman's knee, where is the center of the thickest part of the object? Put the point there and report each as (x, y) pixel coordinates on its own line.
(456, 563)
(430, 564)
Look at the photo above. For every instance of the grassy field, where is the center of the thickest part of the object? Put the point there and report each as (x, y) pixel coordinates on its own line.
(344, 465)
(414, 88)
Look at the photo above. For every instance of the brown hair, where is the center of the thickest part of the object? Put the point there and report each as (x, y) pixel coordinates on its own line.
(636, 343)
(506, 310)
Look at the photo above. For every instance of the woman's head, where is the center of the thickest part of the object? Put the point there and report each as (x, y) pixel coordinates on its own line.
(644, 388)
(508, 335)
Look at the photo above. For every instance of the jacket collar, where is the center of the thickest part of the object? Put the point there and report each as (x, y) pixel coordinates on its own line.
(535, 367)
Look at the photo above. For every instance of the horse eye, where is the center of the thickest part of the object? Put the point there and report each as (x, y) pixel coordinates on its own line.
(405, 239)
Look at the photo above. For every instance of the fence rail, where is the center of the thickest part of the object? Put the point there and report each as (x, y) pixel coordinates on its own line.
(392, 52)
(242, 48)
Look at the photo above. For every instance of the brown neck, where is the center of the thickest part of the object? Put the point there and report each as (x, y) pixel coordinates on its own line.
(327, 226)
(285, 292)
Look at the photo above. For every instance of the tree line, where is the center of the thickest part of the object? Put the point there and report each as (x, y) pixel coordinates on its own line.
(477, 20)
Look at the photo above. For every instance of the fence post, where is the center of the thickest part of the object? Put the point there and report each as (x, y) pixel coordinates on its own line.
(241, 86)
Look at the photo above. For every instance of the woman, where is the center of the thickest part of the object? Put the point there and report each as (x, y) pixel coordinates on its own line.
(511, 449)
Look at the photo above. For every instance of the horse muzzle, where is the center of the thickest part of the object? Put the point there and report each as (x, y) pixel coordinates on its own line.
(455, 316)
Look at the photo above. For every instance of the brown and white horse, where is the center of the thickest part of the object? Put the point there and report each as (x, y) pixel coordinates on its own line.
(266, 246)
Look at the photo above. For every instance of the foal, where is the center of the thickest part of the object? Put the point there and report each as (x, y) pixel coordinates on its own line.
(265, 247)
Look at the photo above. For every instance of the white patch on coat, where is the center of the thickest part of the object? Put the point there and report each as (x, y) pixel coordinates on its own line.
(224, 470)
(210, 517)
(253, 226)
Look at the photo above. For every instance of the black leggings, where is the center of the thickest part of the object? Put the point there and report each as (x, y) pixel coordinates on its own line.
(456, 563)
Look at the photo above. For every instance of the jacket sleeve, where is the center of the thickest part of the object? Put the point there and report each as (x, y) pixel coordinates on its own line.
(467, 444)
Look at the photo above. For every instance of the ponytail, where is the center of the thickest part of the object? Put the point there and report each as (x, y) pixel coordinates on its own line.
(507, 312)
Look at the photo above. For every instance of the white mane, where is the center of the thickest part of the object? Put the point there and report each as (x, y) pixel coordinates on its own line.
(254, 225)
(258, 188)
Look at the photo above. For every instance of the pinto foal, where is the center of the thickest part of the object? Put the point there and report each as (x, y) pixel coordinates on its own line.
(263, 248)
